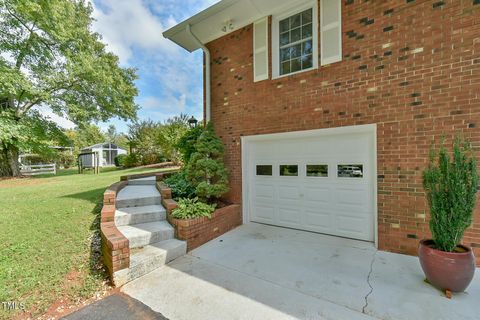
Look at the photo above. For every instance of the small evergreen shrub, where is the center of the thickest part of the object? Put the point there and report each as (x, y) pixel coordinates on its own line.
(120, 160)
(186, 144)
(192, 208)
(450, 183)
(205, 169)
(131, 160)
(181, 187)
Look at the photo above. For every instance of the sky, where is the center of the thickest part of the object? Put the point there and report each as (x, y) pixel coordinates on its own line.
(170, 78)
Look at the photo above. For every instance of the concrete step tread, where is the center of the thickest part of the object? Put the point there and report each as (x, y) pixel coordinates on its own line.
(148, 258)
(143, 181)
(140, 235)
(139, 210)
(139, 215)
(132, 192)
(137, 256)
(145, 228)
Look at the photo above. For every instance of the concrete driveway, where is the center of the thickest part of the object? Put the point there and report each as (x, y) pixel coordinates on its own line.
(265, 272)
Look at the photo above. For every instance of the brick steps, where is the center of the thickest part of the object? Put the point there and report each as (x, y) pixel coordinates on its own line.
(140, 235)
(148, 181)
(141, 219)
(149, 258)
(138, 196)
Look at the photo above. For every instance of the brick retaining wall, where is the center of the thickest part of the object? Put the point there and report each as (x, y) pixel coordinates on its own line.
(115, 247)
(200, 230)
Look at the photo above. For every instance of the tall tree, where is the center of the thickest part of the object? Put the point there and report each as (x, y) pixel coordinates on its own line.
(143, 136)
(51, 57)
(85, 136)
(119, 139)
(111, 133)
(170, 134)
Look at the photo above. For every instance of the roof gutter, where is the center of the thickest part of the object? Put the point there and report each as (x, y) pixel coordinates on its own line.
(208, 98)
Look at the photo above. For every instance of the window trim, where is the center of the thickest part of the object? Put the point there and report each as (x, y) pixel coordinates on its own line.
(276, 34)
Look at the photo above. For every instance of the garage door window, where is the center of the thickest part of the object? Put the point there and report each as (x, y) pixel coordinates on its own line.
(350, 171)
(317, 170)
(264, 170)
(289, 170)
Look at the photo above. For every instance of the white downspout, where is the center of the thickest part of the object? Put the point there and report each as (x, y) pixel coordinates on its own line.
(208, 98)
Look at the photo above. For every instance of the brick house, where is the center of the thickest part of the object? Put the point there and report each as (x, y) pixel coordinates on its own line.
(328, 108)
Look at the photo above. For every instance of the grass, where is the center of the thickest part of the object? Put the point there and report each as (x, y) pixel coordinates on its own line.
(46, 230)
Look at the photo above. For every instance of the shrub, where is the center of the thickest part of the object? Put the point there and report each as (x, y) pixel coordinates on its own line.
(131, 160)
(181, 187)
(66, 160)
(451, 184)
(142, 137)
(206, 170)
(120, 160)
(186, 144)
(170, 134)
(192, 208)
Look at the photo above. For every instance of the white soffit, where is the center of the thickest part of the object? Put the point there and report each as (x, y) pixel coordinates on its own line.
(207, 25)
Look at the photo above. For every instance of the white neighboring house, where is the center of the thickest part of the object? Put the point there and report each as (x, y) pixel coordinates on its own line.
(105, 153)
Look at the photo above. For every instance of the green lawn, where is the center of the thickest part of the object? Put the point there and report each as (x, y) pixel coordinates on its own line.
(46, 230)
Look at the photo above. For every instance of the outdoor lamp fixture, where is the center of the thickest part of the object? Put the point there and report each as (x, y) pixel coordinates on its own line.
(192, 122)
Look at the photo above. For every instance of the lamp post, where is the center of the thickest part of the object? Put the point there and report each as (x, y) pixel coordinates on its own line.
(192, 122)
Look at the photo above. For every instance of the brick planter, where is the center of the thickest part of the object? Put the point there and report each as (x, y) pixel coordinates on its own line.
(200, 230)
(115, 247)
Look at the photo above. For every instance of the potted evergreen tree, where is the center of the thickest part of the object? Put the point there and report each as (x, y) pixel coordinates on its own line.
(450, 183)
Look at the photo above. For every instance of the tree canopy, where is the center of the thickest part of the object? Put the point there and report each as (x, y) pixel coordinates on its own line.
(51, 57)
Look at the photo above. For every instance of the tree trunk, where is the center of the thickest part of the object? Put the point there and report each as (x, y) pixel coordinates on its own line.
(9, 166)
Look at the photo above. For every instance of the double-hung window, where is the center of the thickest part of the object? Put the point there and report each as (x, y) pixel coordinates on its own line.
(297, 36)
(296, 42)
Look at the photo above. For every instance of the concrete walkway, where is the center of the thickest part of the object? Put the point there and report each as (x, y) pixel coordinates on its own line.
(264, 272)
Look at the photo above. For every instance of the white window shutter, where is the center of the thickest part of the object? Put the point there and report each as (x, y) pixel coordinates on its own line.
(330, 31)
(260, 50)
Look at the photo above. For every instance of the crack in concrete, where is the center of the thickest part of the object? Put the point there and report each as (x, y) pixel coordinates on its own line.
(368, 282)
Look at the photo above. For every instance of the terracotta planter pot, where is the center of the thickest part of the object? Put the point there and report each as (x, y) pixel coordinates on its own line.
(448, 271)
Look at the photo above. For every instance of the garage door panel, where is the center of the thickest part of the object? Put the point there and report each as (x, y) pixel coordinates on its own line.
(353, 226)
(290, 216)
(262, 191)
(288, 192)
(317, 195)
(352, 196)
(319, 220)
(264, 213)
(316, 199)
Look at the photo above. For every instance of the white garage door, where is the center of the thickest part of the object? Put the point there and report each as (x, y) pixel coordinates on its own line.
(321, 181)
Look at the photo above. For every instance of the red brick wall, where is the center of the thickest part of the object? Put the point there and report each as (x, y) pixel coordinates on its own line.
(115, 247)
(201, 230)
(411, 67)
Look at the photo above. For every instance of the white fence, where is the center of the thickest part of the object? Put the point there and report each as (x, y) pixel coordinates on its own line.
(32, 170)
